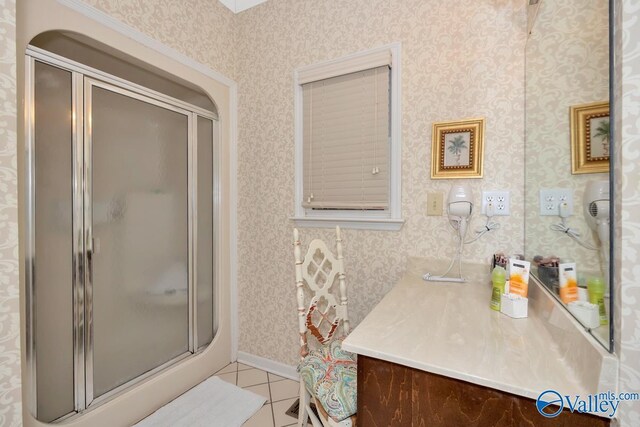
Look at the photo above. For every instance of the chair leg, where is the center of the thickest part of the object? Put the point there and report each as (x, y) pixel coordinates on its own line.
(302, 408)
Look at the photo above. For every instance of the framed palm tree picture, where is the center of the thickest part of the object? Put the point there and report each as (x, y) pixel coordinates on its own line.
(456, 149)
(590, 138)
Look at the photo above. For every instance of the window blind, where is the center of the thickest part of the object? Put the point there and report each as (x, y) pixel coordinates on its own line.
(342, 67)
(346, 141)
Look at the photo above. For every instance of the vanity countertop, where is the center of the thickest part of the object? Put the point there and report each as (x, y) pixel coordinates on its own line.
(449, 329)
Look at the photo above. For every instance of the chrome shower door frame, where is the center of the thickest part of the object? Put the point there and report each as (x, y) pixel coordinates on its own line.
(89, 84)
(78, 266)
(83, 80)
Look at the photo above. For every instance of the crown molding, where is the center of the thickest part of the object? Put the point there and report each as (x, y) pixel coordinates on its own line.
(237, 6)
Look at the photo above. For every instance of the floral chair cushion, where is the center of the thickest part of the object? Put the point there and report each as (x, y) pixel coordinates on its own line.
(329, 374)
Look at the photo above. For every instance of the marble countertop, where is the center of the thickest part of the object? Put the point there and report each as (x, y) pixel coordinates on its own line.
(449, 329)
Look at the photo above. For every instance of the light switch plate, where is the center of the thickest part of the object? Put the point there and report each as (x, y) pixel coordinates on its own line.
(434, 203)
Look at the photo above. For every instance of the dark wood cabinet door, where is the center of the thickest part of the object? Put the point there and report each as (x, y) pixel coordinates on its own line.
(394, 395)
(387, 397)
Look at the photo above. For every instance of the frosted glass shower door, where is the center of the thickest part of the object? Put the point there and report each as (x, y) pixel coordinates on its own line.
(139, 250)
(205, 264)
(51, 231)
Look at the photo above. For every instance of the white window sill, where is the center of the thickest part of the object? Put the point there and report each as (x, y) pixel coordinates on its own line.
(384, 224)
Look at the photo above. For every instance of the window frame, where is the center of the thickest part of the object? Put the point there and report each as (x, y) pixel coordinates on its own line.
(389, 219)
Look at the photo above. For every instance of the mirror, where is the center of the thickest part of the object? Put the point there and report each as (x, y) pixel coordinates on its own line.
(567, 157)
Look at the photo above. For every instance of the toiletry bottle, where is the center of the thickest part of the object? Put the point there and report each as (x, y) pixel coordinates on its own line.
(595, 288)
(583, 293)
(568, 282)
(498, 278)
(519, 277)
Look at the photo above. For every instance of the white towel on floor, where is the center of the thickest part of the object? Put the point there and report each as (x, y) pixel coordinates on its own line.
(212, 403)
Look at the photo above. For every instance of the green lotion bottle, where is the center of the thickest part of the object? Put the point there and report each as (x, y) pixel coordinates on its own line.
(498, 278)
(595, 289)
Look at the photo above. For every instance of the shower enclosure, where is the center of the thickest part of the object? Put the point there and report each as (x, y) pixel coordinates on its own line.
(120, 233)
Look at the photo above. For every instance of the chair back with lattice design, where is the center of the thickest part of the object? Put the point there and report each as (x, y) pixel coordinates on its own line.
(323, 274)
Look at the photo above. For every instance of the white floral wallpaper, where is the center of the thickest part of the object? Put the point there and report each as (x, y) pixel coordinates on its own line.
(10, 398)
(460, 59)
(200, 29)
(566, 65)
(627, 203)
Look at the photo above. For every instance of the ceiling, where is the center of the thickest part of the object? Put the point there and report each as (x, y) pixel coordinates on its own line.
(238, 6)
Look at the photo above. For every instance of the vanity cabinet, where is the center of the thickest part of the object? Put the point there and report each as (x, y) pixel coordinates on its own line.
(394, 395)
(433, 354)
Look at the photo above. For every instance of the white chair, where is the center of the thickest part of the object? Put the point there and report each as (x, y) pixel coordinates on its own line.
(327, 373)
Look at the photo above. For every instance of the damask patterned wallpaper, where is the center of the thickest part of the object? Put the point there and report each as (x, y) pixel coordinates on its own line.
(200, 29)
(460, 59)
(627, 164)
(10, 399)
(566, 66)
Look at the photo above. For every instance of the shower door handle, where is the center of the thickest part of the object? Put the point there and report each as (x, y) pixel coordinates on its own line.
(93, 247)
(88, 353)
(90, 249)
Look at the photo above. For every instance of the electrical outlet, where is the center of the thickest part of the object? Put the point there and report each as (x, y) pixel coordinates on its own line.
(551, 198)
(496, 201)
(434, 203)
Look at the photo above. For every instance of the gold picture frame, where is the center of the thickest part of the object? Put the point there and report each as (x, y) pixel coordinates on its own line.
(457, 149)
(590, 137)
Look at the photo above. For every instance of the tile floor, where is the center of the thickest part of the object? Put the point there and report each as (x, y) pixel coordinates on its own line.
(280, 393)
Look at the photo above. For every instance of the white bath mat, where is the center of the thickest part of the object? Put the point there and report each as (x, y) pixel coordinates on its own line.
(212, 403)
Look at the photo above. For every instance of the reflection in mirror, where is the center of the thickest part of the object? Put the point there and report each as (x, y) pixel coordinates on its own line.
(567, 156)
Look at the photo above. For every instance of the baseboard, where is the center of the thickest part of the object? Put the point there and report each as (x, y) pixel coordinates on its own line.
(269, 365)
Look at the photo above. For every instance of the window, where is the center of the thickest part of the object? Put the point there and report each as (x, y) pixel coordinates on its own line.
(348, 141)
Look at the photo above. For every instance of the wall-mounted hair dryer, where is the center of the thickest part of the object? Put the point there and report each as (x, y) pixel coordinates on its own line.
(459, 209)
(596, 209)
(596, 212)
